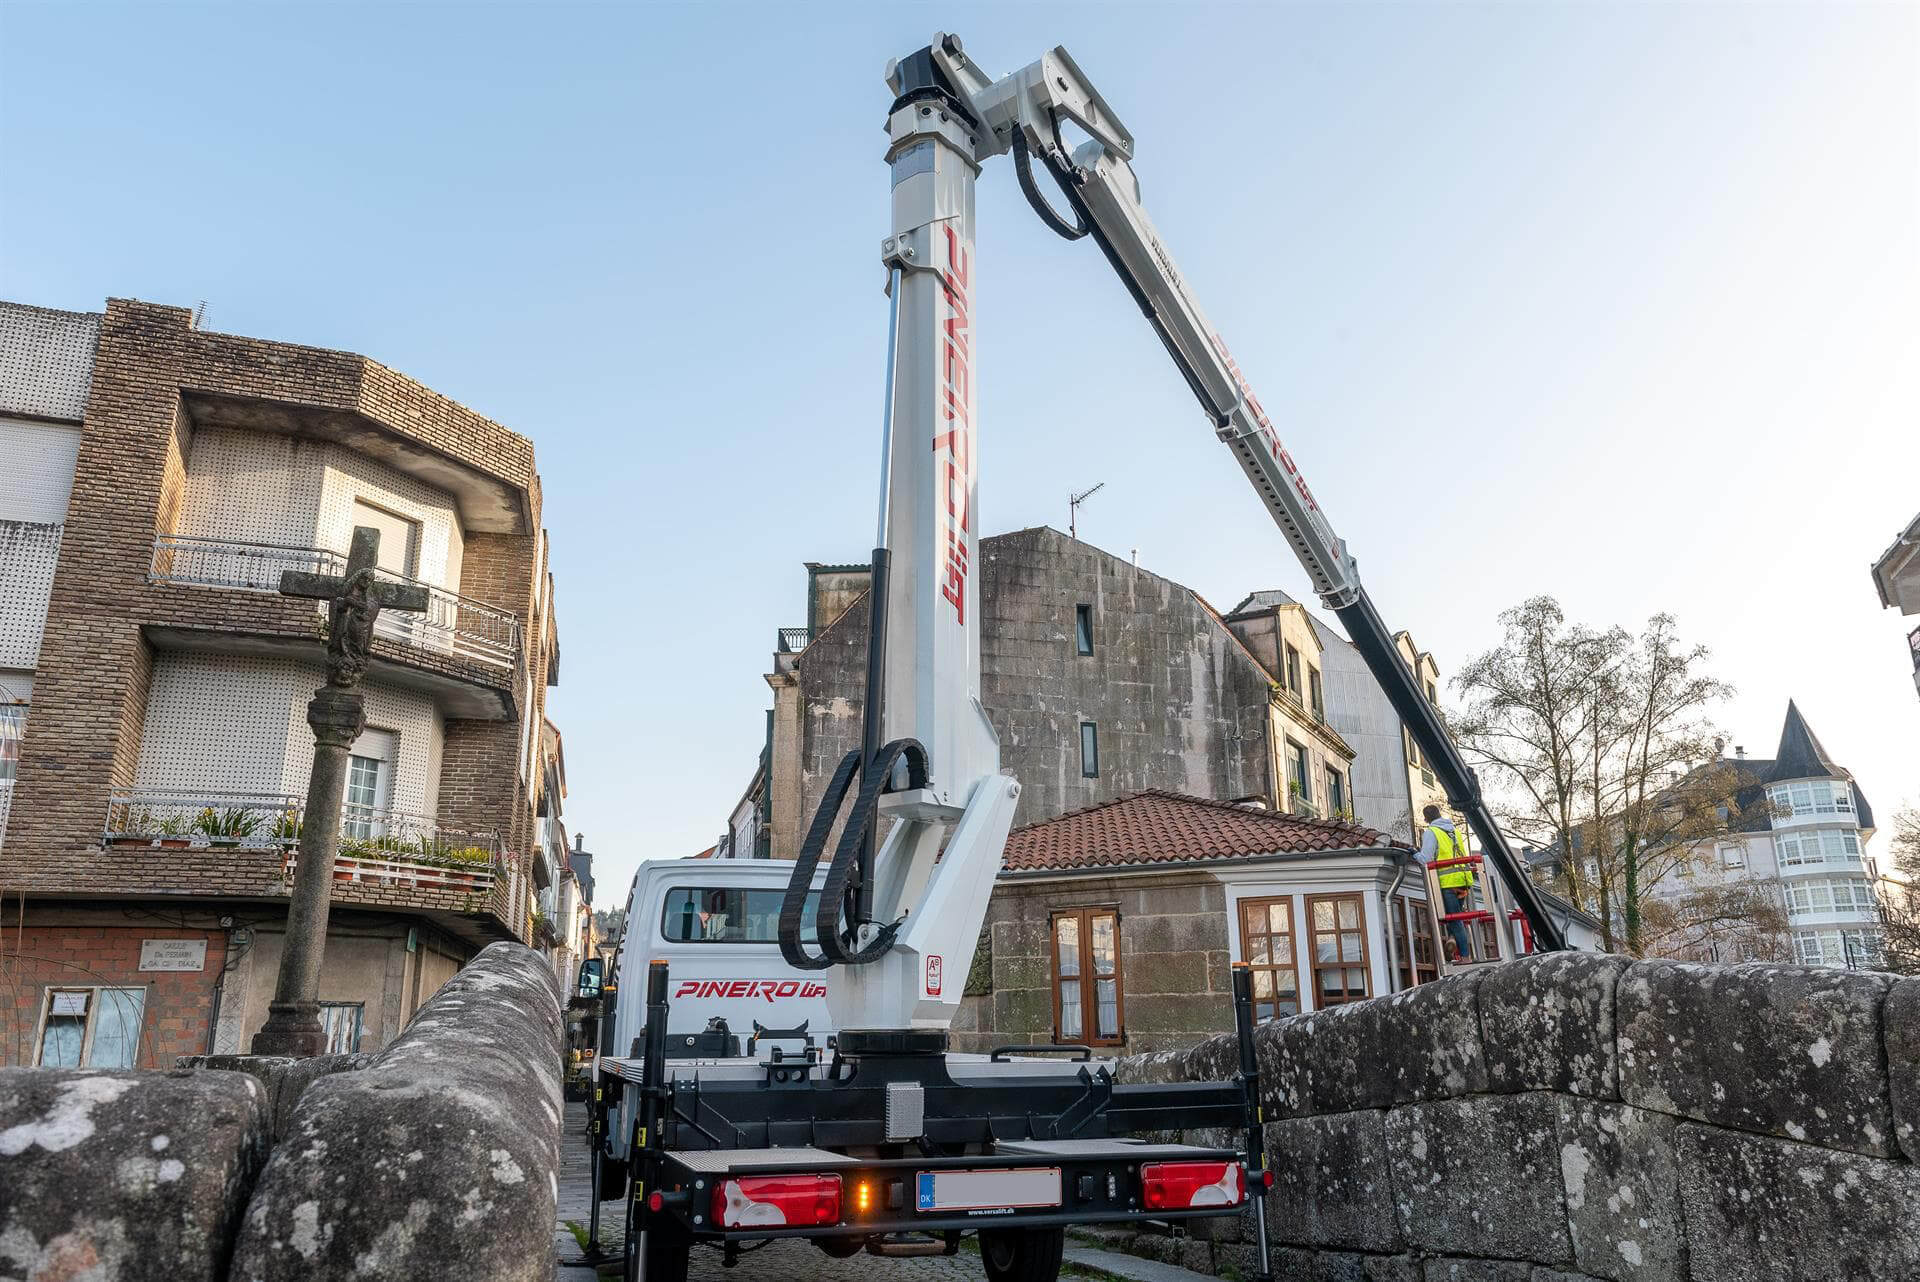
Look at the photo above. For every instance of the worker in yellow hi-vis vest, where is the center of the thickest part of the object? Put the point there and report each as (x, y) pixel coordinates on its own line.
(1442, 841)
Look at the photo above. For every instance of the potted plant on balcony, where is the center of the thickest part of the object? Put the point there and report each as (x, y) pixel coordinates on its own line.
(172, 832)
(228, 826)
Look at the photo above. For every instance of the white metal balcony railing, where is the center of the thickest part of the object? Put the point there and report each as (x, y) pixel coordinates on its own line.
(452, 624)
(387, 847)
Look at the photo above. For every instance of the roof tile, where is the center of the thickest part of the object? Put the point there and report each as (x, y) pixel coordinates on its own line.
(1155, 826)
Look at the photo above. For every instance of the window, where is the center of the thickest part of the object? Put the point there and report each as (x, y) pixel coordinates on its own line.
(340, 1026)
(1089, 750)
(1433, 695)
(1417, 955)
(1086, 977)
(1316, 696)
(363, 797)
(1083, 629)
(1337, 930)
(1293, 671)
(1811, 797)
(728, 915)
(1852, 949)
(1299, 782)
(13, 728)
(1818, 846)
(399, 537)
(1734, 856)
(1336, 794)
(1840, 895)
(91, 1027)
(1266, 945)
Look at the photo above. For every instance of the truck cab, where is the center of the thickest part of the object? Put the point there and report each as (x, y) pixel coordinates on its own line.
(717, 922)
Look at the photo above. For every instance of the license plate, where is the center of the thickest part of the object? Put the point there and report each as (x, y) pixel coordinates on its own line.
(988, 1190)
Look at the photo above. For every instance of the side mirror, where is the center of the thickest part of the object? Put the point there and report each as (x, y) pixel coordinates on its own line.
(592, 978)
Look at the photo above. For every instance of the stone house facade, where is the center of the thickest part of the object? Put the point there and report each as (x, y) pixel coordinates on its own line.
(156, 750)
(1116, 926)
(1389, 784)
(1101, 678)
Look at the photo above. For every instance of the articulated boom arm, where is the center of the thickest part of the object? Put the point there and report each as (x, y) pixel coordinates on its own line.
(1022, 113)
(902, 921)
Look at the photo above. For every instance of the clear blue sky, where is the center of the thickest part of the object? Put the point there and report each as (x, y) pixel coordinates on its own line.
(1620, 303)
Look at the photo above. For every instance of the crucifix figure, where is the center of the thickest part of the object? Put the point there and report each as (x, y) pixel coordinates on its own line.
(337, 714)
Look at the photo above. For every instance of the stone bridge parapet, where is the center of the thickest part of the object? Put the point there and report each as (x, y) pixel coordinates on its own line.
(438, 1157)
(1571, 1117)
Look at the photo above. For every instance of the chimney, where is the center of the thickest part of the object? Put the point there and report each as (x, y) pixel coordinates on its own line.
(1740, 752)
(1719, 748)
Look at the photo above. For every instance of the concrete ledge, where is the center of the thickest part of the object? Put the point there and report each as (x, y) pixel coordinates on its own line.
(125, 1175)
(440, 1158)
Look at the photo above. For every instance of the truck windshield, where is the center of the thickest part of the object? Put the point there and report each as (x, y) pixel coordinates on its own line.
(727, 915)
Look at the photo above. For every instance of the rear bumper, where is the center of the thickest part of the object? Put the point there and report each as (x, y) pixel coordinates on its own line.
(1099, 1182)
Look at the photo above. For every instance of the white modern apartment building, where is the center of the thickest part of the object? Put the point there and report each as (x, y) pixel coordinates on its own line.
(1800, 838)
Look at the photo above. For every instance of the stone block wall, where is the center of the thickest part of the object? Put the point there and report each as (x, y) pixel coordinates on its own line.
(1572, 1117)
(436, 1158)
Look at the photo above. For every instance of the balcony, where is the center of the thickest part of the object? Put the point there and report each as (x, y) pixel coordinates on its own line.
(377, 847)
(452, 625)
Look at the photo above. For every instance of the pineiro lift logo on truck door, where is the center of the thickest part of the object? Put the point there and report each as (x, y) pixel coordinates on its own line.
(933, 974)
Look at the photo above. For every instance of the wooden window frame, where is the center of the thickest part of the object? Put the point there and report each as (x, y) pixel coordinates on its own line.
(1316, 693)
(1337, 783)
(1290, 667)
(1263, 903)
(96, 994)
(1089, 989)
(1408, 914)
(1314, 965)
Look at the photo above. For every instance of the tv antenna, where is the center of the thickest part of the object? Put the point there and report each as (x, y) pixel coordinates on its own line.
(1073, 508)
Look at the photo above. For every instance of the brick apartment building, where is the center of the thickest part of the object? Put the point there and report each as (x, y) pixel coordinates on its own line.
(155, 480)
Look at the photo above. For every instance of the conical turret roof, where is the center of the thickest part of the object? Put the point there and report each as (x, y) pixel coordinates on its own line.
(1800, 755)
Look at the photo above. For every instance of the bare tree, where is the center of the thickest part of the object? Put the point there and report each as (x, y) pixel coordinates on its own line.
(1717, 921)
(1661, 803)
(1899, 897)
(1529, 716)
(1601, 747)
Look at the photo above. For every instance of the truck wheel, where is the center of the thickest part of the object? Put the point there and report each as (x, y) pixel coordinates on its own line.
(1022, 1255)
(664, 1255)
(840, 1248)
(613, 1177)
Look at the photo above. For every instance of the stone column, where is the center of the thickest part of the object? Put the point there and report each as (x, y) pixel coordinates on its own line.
(293, 1027)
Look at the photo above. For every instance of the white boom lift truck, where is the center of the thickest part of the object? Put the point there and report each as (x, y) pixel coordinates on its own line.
(851, 1125)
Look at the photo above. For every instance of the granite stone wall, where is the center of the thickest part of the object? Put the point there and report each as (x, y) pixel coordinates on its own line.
(1573, 1117)
(437, 1157)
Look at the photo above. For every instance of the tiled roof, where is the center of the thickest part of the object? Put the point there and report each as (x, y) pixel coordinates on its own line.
(1168, 827)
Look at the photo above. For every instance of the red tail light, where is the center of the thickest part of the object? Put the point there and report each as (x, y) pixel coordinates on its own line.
(767, 1200)
(1179, 1186)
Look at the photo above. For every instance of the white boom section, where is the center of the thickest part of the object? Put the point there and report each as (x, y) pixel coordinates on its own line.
(930, 509)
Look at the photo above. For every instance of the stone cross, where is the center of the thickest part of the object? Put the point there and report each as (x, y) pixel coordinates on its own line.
(337, 714)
